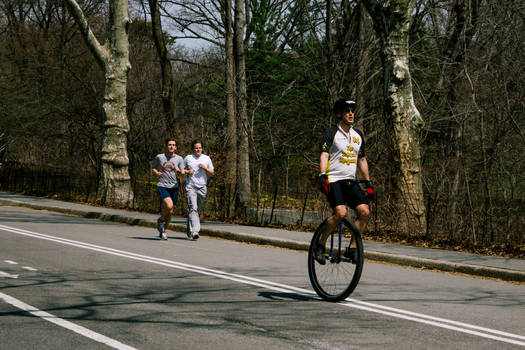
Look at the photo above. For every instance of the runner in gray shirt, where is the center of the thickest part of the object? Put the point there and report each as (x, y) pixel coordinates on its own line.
(165, 166)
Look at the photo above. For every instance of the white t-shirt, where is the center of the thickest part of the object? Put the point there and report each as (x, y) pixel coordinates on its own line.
(344, 150)
(199, 177)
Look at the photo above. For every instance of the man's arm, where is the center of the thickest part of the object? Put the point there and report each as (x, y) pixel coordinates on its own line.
(209, 170)
(181, 167)
(322, 180)
(323, 162)
(362, 165)
(187, 168)
(156, 172)
(155, 166)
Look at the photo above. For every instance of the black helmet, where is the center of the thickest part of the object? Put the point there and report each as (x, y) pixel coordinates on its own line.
(342, 104)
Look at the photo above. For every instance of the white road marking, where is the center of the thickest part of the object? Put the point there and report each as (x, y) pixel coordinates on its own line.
(63, 323)
(354, 303)
(11, 262)
(5, 274)
(29, 268)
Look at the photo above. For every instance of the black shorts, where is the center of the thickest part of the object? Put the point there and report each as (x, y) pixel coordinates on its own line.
(345, 192)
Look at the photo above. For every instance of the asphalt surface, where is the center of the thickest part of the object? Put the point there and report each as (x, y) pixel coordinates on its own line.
(442, 260)
(102, 282)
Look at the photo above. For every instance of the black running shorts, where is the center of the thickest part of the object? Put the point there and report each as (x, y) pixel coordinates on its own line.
(346, 192)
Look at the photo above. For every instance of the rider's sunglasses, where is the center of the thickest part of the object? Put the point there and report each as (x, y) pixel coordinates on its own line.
(349, 109)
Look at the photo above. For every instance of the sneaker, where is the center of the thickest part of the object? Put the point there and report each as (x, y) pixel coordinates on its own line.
(351, 254)
(160, 227)
(189, 234)
(164, 236)
(319, 254)
(195, 236)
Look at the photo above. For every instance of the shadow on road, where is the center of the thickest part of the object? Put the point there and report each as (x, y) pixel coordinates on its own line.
(285, 296)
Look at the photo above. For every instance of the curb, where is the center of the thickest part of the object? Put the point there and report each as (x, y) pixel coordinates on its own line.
(445, 266)
(403, 260)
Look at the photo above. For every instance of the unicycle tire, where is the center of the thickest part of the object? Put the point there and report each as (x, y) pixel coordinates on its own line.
(338, 277)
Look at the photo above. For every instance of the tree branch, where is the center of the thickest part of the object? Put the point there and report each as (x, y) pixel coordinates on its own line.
(99, 51)
(379, 16)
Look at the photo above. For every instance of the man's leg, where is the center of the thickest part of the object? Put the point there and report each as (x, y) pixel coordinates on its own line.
(333, 221)
(165, 216)
(363, 212)
(331, 225)
(193, 211)
(165, 204)
(201, 195)
(168, 205)
(166, 210)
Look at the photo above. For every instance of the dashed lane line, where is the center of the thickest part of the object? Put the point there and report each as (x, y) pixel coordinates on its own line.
(29, 268)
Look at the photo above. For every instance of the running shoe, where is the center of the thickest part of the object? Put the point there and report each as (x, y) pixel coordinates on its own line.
(351, 254)
(319, 254)
(160, 227)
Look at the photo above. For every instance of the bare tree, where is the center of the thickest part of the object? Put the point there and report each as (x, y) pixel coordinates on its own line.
(243, 157)
(209, 20)
(464, 23)
(230, 88)
(168, 93)
(330, 66)
(403, 120)
(113, 58)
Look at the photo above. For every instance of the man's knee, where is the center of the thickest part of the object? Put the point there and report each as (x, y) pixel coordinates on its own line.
(363, 211)
(340, 213)
(168, 204)
(193, 209)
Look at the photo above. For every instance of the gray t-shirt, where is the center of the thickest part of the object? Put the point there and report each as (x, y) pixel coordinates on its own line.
(168, 178)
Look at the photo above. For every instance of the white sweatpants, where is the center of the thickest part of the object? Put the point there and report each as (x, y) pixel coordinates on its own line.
(195, 197)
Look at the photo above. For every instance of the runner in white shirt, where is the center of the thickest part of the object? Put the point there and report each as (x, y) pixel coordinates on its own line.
(198, 166)
(342, 154)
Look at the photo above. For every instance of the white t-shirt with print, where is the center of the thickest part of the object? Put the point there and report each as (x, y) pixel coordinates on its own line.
(345, 150)
(199, 177)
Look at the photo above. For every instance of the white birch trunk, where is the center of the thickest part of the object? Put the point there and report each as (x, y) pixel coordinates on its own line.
(403, 119)
(113, 57)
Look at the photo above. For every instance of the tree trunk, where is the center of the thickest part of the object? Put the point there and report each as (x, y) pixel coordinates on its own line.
(403, 120)
(231, 128)
(168, 99)
(243, 164)
(330, 69)
(363, 62)
(449, 95)
(115, 182)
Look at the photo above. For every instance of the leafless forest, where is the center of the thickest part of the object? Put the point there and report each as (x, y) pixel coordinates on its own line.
(258, 91)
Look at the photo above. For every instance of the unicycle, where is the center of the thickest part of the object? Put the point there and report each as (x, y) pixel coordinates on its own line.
(337, 278)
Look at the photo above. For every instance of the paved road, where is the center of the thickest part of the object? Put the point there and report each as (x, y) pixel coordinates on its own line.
(438, 259)
(107, 284)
